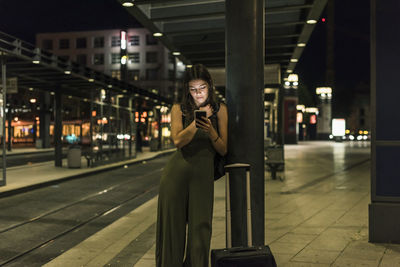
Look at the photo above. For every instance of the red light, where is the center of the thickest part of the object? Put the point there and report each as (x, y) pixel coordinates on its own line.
(313, 119)
(323, 19)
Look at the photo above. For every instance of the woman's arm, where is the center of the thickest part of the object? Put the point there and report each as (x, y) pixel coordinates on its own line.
(180, 136)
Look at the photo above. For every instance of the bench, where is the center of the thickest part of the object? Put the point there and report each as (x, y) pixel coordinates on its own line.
(274, 159)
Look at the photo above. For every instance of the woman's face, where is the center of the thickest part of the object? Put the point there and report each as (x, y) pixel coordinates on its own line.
(199, 91)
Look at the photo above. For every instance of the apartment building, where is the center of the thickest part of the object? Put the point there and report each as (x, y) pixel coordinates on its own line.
(149, 64)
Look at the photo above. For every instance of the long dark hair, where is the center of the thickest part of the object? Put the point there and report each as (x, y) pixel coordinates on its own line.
(197, 72)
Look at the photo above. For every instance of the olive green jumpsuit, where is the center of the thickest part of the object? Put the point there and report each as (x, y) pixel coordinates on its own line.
(186, 196)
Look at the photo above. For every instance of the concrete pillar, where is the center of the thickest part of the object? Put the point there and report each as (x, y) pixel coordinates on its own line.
(58, 128)
(245, 101)
(45, 117)
(384, 210)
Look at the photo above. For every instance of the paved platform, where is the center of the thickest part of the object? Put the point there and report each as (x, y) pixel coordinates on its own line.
(316, 216)
(26, 177)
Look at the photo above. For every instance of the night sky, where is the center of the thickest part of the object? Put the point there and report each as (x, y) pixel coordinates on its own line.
(24, 18)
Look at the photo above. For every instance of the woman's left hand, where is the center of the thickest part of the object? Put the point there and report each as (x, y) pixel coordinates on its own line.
(206, 125)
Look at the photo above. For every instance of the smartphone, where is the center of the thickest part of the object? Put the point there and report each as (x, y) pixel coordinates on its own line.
(198, 114)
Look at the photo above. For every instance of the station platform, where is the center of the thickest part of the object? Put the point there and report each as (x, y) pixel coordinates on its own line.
(317, 215)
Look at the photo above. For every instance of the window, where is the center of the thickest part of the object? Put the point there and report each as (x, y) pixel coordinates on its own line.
(362, 112)
(98, 42)
(47, 44)
(133, 75)
(151, 74)
(64, 43)
(81, 42)
(150, 40)
(64, 58)
(134, 58)
(81, 59)
(151, 57)
(115, 58)
(115, 41)
(116, 74)
(134, 40)
(98, 59)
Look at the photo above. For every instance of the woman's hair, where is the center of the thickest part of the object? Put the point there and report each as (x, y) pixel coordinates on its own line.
(197, 72)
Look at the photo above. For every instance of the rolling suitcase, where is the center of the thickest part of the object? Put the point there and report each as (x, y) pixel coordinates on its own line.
(251, 256)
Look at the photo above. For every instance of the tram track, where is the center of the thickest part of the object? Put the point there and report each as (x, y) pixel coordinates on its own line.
(69, 216)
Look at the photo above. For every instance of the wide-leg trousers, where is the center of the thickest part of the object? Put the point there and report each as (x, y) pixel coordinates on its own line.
(185, 197)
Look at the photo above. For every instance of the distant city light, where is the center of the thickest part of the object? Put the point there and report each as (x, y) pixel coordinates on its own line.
(30, 88)
(123, 60)
(35, 61)
(294, 60)
(91, 80)
(301, 44)
(32, 100)
(157, 34)
(311, 21)
(323, 19)
(189, 66)
(176, 53)
(67, 72)
(109, 86)
(293, 78)
(289, 71)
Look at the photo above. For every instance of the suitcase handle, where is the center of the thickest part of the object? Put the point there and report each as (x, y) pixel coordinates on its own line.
(228, 204)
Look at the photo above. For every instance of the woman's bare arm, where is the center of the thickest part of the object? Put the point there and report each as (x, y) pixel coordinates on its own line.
(180, 136)
(220, 142)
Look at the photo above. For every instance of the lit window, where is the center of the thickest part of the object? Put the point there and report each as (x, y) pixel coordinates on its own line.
(134, 58)
(134, 40)
(98, 59)
(115, 58)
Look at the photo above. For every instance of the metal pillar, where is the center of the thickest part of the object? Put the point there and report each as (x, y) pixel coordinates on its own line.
(58, 128)
(384, 210)
(3, 182)
(245, 85)
(9, 128)
(45, 117)
(91, 119)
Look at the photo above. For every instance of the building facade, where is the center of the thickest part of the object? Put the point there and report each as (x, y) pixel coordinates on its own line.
(149, 65)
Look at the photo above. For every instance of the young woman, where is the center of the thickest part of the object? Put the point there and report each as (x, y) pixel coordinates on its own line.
(187, 183)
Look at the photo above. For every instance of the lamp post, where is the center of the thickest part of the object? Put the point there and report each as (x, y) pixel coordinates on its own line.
(290, 101)
(325, 112)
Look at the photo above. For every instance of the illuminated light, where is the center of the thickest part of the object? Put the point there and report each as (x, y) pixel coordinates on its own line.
(294, 60)
(147, 98)
(338, 127)
(85, 100)
(360, 132)
(295, 83)
(312, 110)
(189, 66)
(36, 61)
(323, 90)
(70, 96)
(289, 71)
(103, 94)
(365, 137)
(359, 138)
(301, 44)
(30, 89)
(311, 21)
(176, 53)
(323, 19)
(144, 114)
(123, 60)
(299, 117)
(158, 107)
(91, 80)
(142, 120)
(293, 78)
(347, 131)
(37, 118)
(68, 72)
(124, 91)
(351, 137)
(330, 136)
(94, 113)
(127, 4)
(343, 137)
(123, 39)
(302, 108)
(157, 34)
(136, 119)
(109, 86)
(15, 118)
(313, 119)
(52, 93)
(32, 100)
(136, 95)
(287, 83)
(365, 132)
